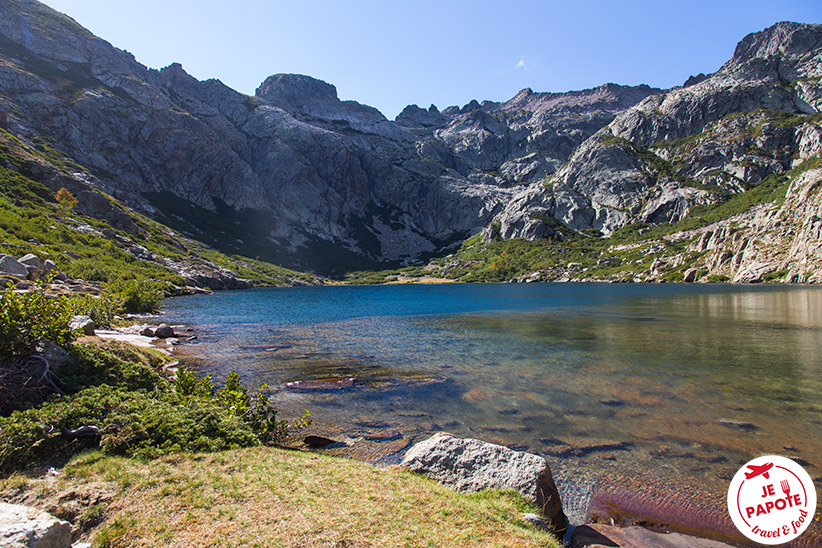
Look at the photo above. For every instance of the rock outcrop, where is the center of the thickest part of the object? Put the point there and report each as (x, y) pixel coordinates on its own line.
(777, 241)
(27, 527)
(470, 465)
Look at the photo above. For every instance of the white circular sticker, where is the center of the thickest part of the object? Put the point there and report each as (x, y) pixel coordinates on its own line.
(771, 500)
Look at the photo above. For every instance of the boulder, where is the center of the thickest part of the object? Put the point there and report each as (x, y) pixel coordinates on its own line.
(82, 323)
(147, 331)
(164, 331)
(470, 465)
(34, 266)
(10, 265)
(30, 259)
(23, 526)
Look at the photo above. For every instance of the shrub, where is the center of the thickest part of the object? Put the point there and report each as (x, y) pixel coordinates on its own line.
(116, 364)
(102, 309)
(137, 412)
(26, 317)
(65, 199)
(233, 396)
(139, 295)
(774, 276)
(132, 423)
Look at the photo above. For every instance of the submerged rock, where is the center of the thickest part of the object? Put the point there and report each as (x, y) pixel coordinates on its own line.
(596, 535)
(323, 385)
(738, 425)
(318, 441)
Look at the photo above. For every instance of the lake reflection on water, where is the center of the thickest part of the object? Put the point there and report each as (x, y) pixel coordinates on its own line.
(677, 381)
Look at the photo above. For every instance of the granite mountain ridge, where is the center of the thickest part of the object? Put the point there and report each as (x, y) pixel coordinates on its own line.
(296, 176)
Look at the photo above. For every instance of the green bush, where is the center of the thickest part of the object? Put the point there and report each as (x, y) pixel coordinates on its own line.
(102, 309)
(116, 364)
(139, 295)
(132, 423)
(775, 276)
(26, 317)
(116, 388)
(253, 410)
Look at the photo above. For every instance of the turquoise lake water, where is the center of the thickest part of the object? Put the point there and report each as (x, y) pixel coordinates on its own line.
(686, 382)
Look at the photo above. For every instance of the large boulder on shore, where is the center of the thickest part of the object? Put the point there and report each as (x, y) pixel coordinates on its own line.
(470, 465)
(23, 526)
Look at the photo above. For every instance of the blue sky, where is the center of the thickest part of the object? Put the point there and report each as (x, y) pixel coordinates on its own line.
(389, 54)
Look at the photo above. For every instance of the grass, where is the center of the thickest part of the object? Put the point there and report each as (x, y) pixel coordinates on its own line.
(271, 497)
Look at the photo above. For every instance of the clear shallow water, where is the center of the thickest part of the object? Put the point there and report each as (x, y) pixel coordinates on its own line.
(683, 382)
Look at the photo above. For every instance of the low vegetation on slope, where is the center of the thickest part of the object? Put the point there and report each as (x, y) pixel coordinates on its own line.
(135, 406)
(33, 221)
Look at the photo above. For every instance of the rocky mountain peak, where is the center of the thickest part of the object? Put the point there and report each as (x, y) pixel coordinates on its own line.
(472, 105)
(414, 116)
(606, 97)
(296, 91)
(784, 38)
(175, 69)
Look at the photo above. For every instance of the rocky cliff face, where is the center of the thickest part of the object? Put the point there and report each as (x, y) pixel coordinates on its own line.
(293, 171)
(296, 176)
(782, 242)
(693, 145)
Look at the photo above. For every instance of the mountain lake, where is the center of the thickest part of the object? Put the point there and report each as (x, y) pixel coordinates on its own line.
(648, 395)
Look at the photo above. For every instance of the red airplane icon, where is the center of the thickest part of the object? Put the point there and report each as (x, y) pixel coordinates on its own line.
(757, 470)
